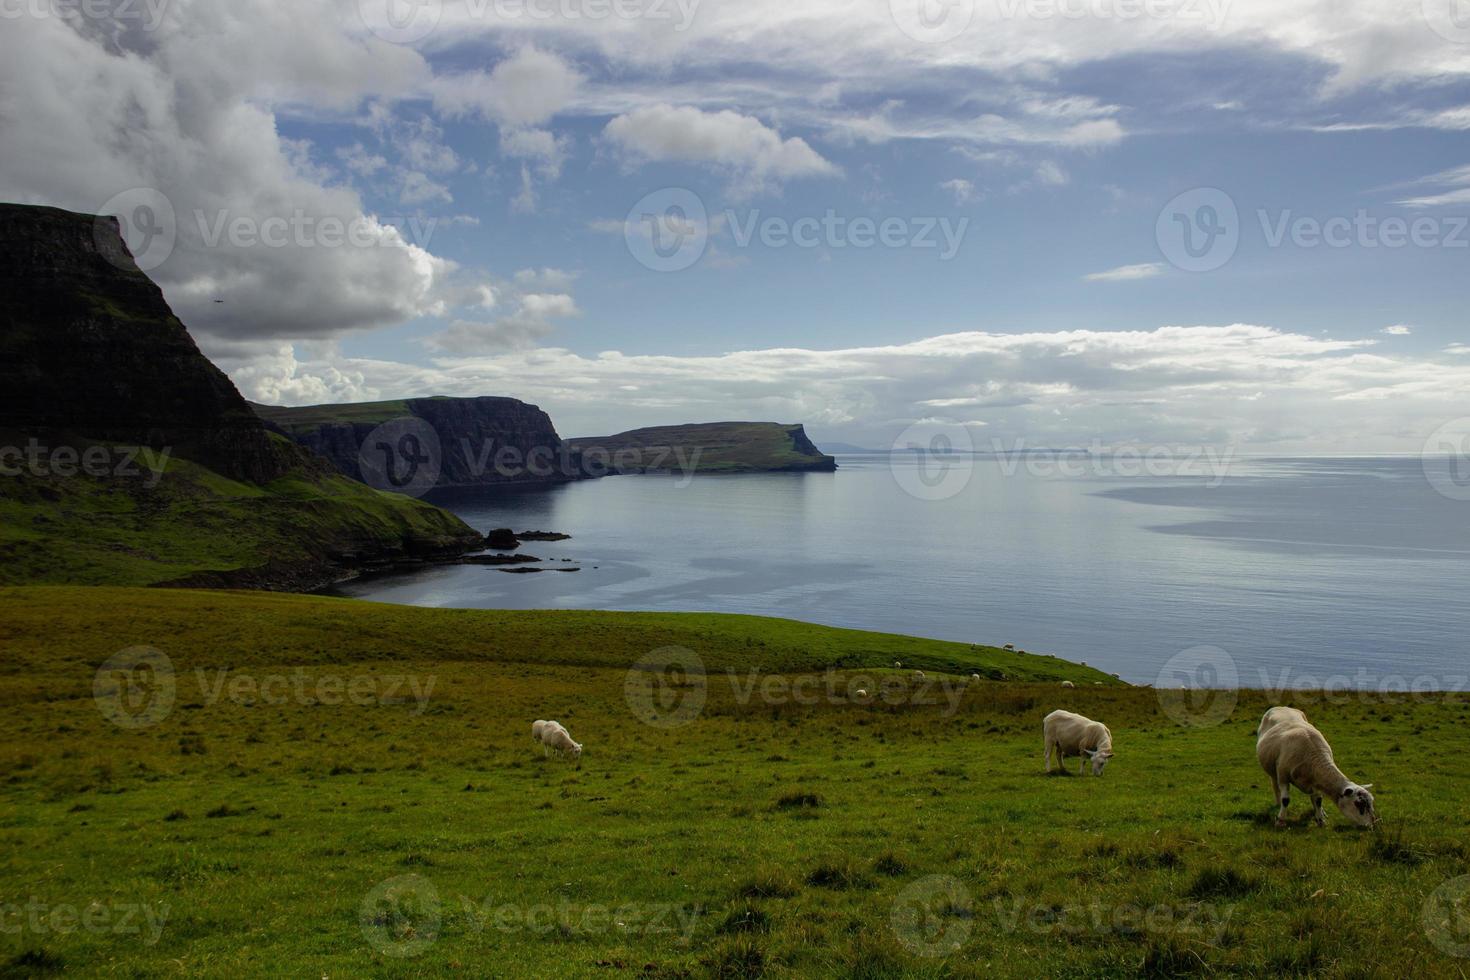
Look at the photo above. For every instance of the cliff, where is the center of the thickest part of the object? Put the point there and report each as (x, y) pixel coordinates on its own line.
(129, 458)
(90, 347)
(470, 442)
(713, 447)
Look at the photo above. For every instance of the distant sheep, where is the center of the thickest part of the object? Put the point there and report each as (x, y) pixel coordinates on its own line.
(918, 675)
(555, 738)
(862, 692)
(1294, 753)
(1068, 684)
(898, 665)
(974, 677)
(1067, 734)
(1010, 646)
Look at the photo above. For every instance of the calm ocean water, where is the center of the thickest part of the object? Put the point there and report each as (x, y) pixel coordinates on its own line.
(1305, 571)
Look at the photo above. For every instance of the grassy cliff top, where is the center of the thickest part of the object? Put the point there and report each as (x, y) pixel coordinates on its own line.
(313, 416)
(168, 519)
(721, 447)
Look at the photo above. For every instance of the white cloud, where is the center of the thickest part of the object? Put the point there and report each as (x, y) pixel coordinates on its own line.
(557, 280)
(753, 154)
(962, 190)
(525, 89)
(1250, 385)
(188, 109)
(532, 321)
(1398, 330)
(1051, 175)
(420, 188)
(1127, 273)
(1454, 185)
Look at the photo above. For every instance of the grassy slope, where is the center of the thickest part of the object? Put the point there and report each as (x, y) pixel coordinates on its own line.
(264, 826)
(119, 531)
(307, 419)
(725, 447)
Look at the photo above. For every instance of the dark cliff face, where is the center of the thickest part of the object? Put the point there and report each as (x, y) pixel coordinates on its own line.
(92, 350)
(486, 441)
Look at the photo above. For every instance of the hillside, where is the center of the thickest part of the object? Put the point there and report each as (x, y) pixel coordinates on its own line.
(356, 783)
(131, 459)
(711, 447)
(470, 442)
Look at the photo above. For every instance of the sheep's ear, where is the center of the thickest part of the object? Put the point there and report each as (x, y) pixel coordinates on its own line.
(1089, 752)
(1367, 786)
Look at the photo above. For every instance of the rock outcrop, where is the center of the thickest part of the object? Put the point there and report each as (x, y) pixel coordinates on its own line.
(91, 348)
(471, 442)
(710, 447)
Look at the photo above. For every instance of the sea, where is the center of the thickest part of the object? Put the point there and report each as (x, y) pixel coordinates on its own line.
(1194, 571)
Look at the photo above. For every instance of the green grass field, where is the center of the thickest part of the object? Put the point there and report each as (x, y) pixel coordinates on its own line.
(341, 789)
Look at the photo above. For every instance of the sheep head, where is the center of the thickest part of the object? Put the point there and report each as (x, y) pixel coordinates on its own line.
(1099, 759)
(1356, 803)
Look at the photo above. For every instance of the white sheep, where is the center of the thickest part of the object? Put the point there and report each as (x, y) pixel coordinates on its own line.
(1010, 646)
(1068, 684)
(898, 665)
(557, 739)
(918, 675)
(974, 677)
(1293, 753)
(537, 728)
(1071, 734)
(862, 692)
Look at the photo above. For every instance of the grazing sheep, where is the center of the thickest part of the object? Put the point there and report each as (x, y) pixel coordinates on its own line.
(1068, 684)
(898, 665)
(559, 740)
(1010, 646)
(918, 675)
(1072, 734)
(1293, 753)
(974, 677)
(862, 692)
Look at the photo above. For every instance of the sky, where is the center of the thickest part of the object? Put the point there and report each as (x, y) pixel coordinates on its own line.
(1017, 222)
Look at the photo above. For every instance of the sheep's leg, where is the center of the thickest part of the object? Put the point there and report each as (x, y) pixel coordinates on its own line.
(1317, 813)
(1082, 765)
(1046, 757)
(1283, 793)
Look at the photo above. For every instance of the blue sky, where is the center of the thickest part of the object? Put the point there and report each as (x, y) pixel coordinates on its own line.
(1042, 150)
